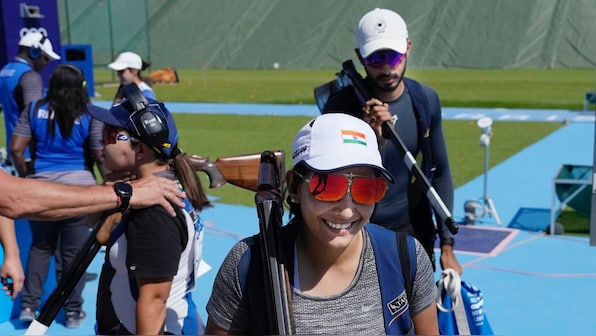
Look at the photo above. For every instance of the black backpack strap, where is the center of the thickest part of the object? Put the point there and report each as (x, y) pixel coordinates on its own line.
(423, 121)
(404, 258)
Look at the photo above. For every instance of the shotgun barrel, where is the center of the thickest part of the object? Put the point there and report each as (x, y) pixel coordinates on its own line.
(269, 204)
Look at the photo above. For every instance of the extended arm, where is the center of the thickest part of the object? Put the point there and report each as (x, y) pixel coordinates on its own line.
(36, 199)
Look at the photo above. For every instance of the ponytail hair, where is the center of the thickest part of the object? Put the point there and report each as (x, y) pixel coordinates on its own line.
(190, 182)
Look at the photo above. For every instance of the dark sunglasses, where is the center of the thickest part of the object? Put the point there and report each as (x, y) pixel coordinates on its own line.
(111, 135)
(334, 187)
(381, 57)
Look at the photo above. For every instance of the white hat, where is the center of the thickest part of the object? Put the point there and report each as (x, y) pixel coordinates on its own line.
(38, 40)
(381, 29)
(127, 60)
(336, 141)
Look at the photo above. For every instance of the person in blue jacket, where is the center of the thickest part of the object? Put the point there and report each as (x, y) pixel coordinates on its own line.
(58, 127)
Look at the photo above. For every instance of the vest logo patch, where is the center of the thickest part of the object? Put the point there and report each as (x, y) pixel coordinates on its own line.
(398, 305)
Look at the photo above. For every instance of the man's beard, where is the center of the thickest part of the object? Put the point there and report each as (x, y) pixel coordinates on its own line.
(378, 81)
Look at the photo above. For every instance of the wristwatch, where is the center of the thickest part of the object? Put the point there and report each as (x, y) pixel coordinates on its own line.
(124, 192)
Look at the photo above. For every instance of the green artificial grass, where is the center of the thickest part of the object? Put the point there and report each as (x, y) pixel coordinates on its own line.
(505, 88)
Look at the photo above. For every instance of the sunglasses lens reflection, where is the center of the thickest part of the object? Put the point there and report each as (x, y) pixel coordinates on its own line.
(332, 188)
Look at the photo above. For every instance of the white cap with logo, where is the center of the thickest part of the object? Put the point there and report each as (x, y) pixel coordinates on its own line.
(39, 40)
(381, 29)
(127, 60)
(336, 141)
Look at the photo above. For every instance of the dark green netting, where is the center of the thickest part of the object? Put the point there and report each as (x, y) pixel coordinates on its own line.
(256, 34)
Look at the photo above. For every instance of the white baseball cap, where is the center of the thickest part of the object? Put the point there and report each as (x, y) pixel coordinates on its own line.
(336, 141)
(381, 29)
(126, 60)
(38, 40)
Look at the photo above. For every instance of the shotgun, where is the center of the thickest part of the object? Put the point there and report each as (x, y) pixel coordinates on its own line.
(269, 204)
(239, 170)
(350, 76)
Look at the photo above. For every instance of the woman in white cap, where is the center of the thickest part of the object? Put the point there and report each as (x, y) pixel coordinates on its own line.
(345, 274)
(129, 65)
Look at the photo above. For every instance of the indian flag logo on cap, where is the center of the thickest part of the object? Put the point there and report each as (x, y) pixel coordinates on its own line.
(353, 137)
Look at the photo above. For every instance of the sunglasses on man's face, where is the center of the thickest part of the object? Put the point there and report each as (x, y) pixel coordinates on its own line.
(334, 187)
(381, 57)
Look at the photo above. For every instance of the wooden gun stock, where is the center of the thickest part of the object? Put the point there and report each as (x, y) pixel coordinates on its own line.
(239, 170)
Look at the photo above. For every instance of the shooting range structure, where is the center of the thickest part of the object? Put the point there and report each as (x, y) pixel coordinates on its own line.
(484, 206)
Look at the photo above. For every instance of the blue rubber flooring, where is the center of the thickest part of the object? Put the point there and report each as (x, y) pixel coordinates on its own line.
(535, 284)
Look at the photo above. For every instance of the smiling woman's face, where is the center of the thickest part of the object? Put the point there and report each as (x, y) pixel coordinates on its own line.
(334, 224)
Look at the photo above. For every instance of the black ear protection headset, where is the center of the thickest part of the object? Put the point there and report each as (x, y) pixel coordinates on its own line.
(35, 50)
(149, 121)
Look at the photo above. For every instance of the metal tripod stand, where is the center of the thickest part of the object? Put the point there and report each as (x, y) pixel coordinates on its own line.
(484, 206)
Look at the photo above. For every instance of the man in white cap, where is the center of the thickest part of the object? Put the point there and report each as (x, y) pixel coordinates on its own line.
(129, 65)
(415, 111)
(20, 81)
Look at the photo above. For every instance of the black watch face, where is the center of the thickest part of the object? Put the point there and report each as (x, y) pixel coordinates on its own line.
(124, 188)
